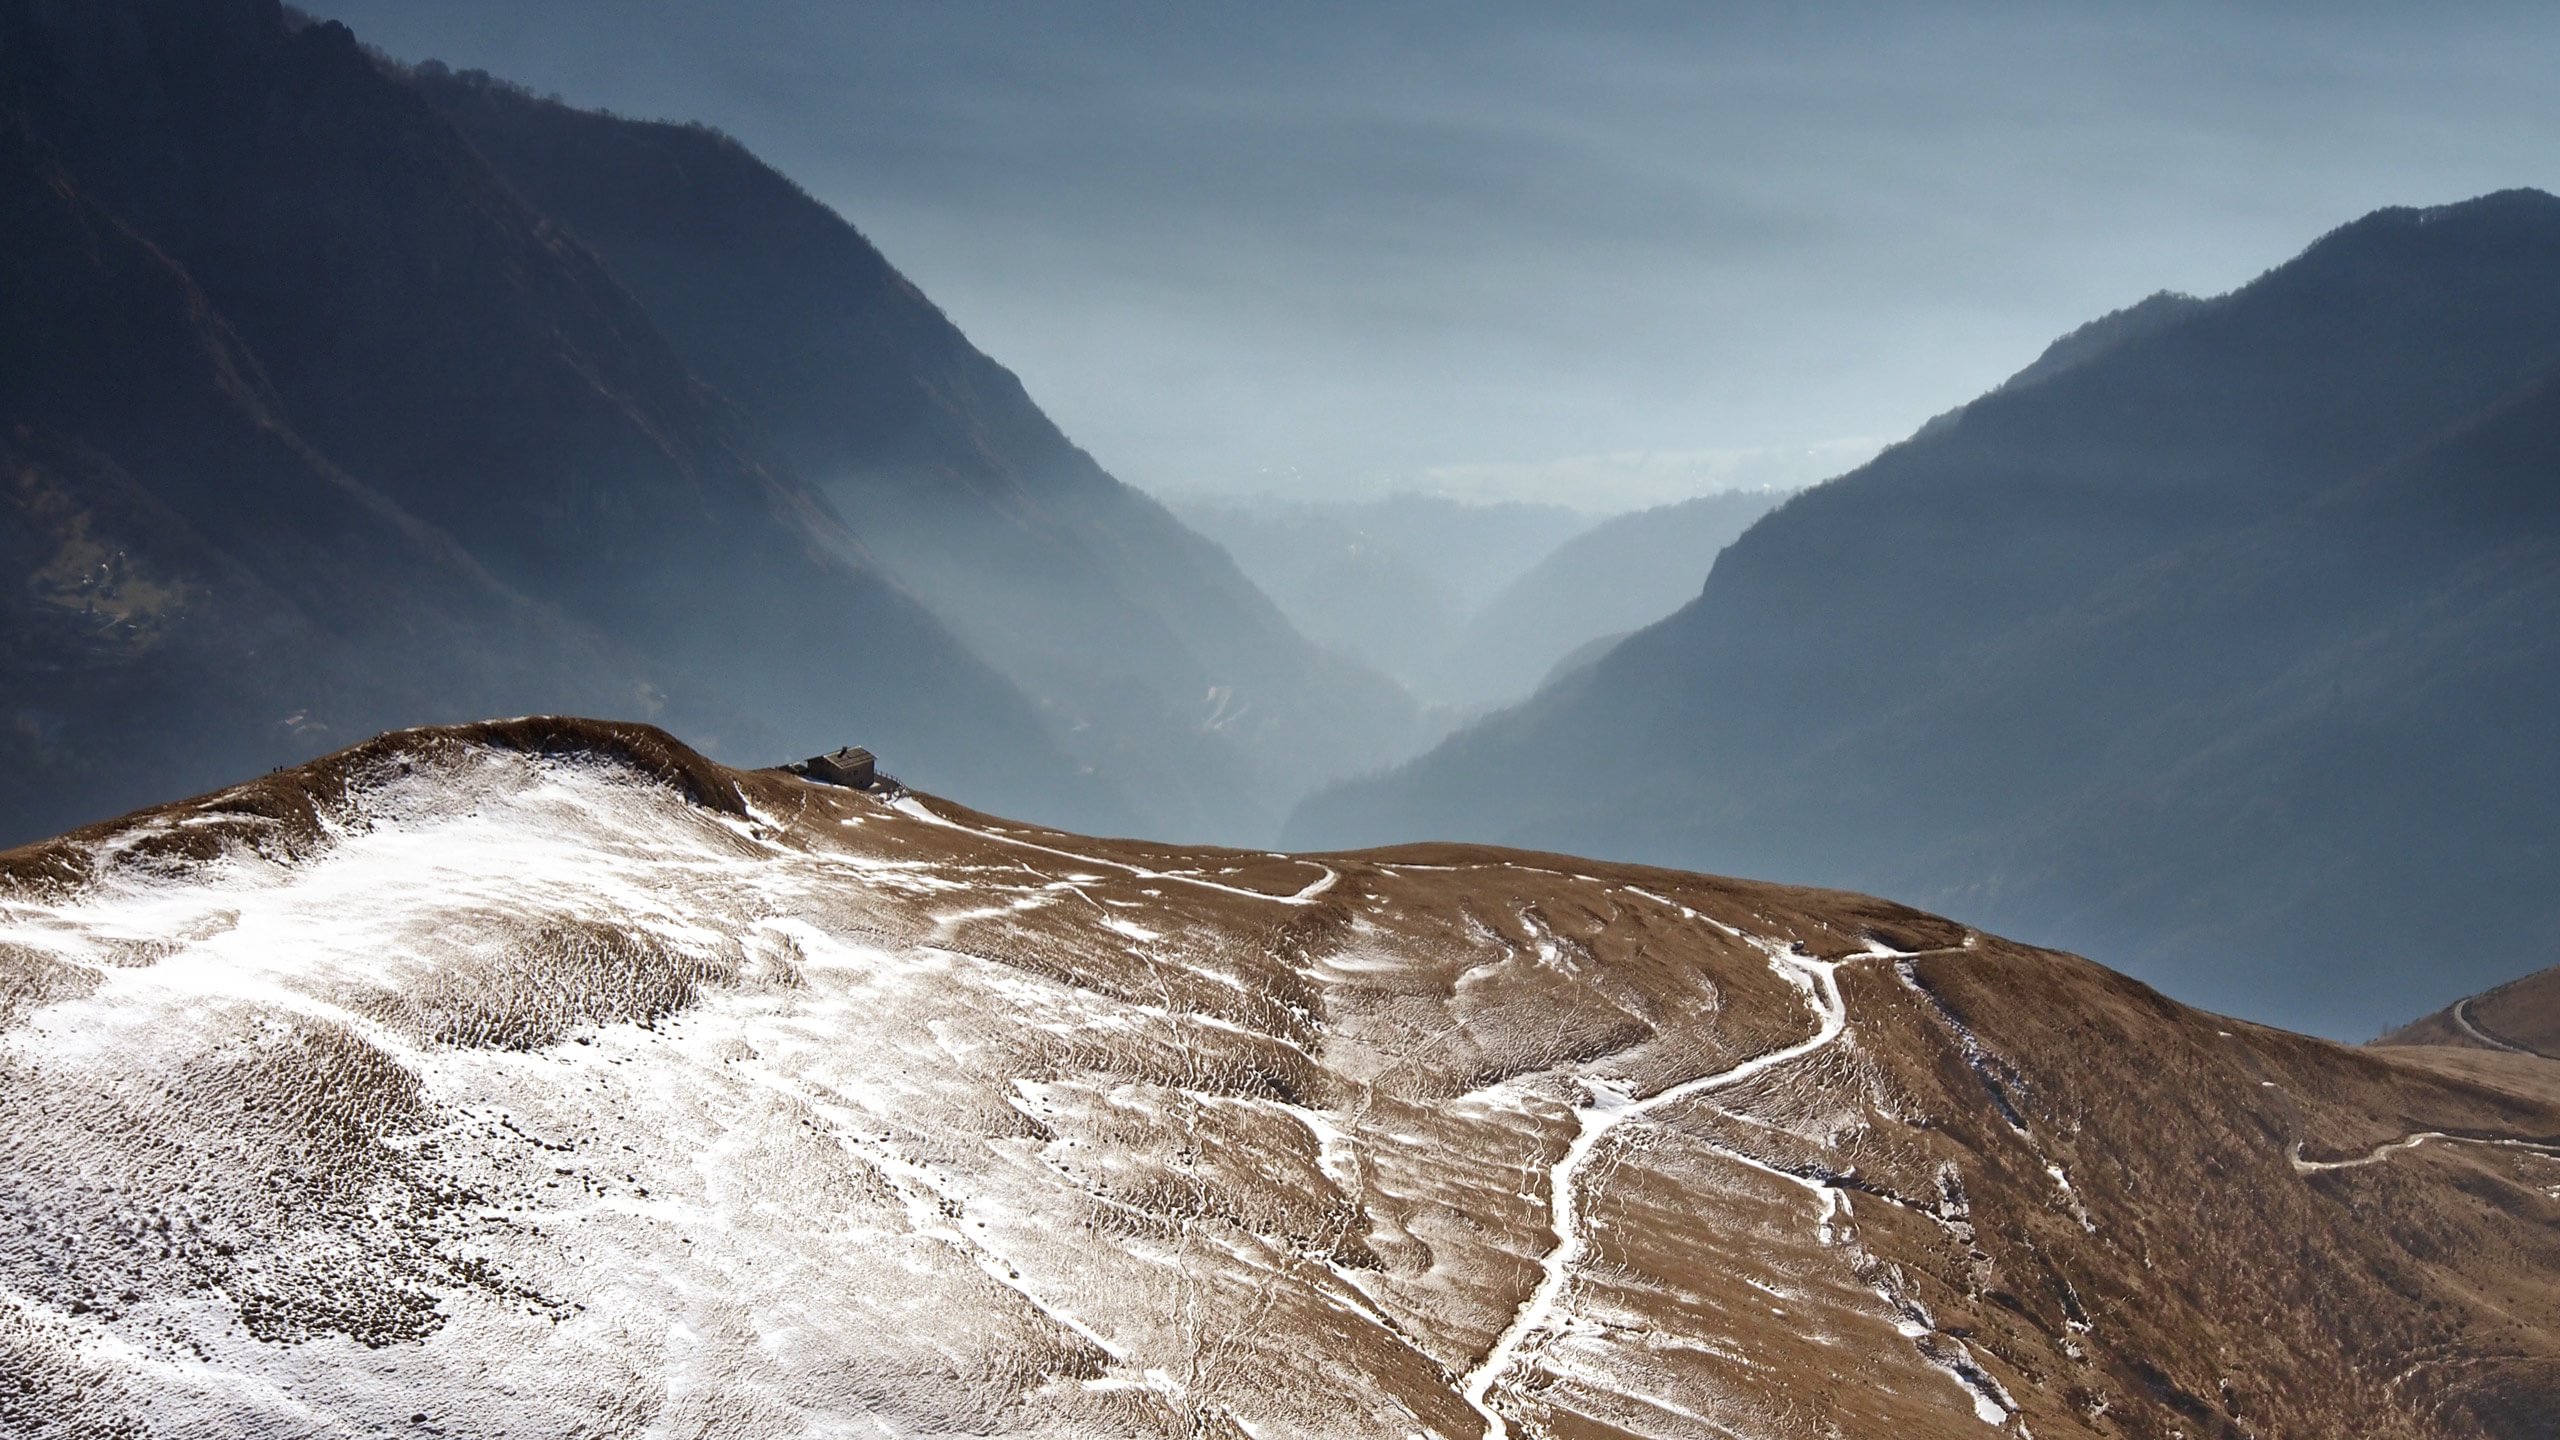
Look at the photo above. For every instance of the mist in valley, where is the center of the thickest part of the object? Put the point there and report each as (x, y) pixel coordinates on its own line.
(1433, 720)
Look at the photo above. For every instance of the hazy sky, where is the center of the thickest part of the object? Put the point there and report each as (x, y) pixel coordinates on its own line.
(1593, 253)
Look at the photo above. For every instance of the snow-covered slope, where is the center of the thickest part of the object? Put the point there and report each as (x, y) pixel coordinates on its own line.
(543, 1078)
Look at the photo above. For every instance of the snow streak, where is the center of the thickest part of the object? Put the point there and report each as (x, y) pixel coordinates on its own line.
(1605, 1110)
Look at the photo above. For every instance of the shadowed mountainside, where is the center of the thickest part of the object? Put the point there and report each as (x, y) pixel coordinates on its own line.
(158, 510)
(1160, 662)
(2225, 650)
(417, 451)
(543, 1075)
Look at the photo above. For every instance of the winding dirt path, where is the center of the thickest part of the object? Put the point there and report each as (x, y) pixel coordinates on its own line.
(1605, 1110)
(2389, 1148)
(909, 805)
(2462, 1020)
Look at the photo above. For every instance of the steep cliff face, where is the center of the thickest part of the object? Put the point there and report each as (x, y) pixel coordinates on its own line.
(547, 1076)
(1167, 667)
(405, 322)
(2224, 650)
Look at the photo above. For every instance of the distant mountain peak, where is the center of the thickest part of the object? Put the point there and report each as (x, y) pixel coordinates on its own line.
(2461, 233)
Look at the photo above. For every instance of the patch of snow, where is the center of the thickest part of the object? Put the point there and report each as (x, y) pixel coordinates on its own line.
(1131, 929)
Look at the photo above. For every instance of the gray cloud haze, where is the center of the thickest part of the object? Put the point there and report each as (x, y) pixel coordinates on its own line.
(1356, 245)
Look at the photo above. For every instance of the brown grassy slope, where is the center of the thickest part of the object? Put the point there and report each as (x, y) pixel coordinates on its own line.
(2015, 1182)
(2521, 1015)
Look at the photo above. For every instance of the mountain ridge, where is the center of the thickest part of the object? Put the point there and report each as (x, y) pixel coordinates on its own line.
(1860, 695)
(432, 335)
(538, 455)
(1086, 592)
